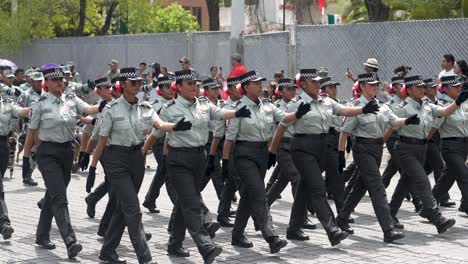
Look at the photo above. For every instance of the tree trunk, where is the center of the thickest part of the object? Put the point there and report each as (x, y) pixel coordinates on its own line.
(307, 12)
(107, 22)
(213, 13)
(82, 17)
(377, 10)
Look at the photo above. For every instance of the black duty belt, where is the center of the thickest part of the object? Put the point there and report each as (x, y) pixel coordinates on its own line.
(286, 140)
(187, 149)
(458, 139)
(311, 136)
(410, 140)
(375, 141)
(127, 148)
(251, 144)
(332, 131)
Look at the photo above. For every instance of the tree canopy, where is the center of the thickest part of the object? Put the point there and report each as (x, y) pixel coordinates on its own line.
(36, 19)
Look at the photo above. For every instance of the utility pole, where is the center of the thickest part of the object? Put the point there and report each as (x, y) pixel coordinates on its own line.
(284, 15)
(237, 26)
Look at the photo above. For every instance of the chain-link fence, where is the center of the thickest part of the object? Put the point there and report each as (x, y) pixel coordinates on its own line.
(267, 53)
(210, 49)
(419, 44)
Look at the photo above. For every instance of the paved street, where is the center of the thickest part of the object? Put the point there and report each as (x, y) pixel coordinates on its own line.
(421, 245)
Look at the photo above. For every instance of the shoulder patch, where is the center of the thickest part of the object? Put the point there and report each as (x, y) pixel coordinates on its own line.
(170, 103)
(155, 101)
(42, 98)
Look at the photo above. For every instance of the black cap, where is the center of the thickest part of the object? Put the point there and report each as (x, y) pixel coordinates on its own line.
(130, 73)
(155, 65)
(398, 80)
(371, 78)
(251, 76)
(324, 82)
(414, 80)
(309, 74)
(232, 81)
(286, 82)
(430, 83)
(53, 73)
(103, 82)
(210, 83)
(188, 75)
(164, 80)
(451, 80)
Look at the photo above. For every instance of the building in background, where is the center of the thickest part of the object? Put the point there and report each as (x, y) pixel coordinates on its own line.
(198, 9)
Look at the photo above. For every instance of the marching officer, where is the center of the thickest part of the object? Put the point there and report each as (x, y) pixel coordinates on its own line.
(412, 147)
(8, 110)
(229, 174)
(122, 132)
(52, 121)
(27, 99)
(368, 131)
(186, 160)
(165, 94)
(454, 135)
(250, 158)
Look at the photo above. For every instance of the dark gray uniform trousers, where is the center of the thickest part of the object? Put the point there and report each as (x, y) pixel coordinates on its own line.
(393, 164)
(435, 163)
(231, 185)
(413, 157)
(250, 160)
(4, 156)
(368, 156)
(454, 152)
(309, 155)
(288, 172)
(125, 168)
(215, 175)
(55, 162)
(334, 178)
(159, 177)
(186, 167)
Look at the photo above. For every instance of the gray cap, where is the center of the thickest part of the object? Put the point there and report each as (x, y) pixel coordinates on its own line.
(8, 73)
(184, 60)
(66, 69)
(114, 62)
(37, 76)
(237, 57)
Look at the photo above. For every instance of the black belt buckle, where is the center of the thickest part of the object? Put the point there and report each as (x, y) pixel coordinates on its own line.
(409, 140)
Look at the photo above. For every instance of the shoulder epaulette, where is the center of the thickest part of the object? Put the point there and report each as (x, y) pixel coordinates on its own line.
(297, 98)
(390, 102)
(170, 103)
(236, 103)
(145, 104)
(266, 100)
(202, 98)
(402, 104)
(42, 98)
(112, 103)
(155, 101)
(443, 101)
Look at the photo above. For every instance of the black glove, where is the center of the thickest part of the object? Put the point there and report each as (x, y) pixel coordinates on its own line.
(91, 178)
(370, 108)
(17, 92)
(243, 112)
(183, 125)
(341, 161)
(210, 165)
(91, 84)
(155, 84)
(271, 160)
(84, 161)
(225, 169)
(102, 104)
(26, 167)
(461, 97)
(302, 110)
(412, 120)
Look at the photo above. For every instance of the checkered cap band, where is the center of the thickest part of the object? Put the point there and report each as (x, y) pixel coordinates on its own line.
(209, 83)
(450, 80)
(233, 81)
(429, 82)
(132, 75)
(53, 73)
(286, 82)
(329, 82)
(309, 75)
(413, 80)
(103, 82)
(367, 78)
(186, 75)
(165, 81)
(249, 76)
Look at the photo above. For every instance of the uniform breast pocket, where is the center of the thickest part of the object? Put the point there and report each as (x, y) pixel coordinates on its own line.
(144, 123)
(121, 125)
(5, 117)
(366, 119)
(49, 120)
